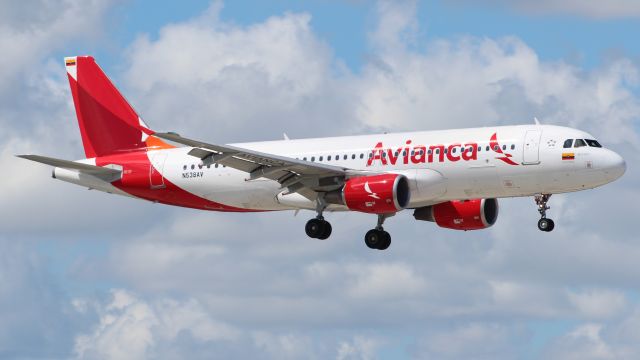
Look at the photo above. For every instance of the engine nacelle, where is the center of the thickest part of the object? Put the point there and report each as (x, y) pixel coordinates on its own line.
(375, 194)
(461, 214)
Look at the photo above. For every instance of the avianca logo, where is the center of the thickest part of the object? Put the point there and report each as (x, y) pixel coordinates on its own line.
(367, 188)
(495, 146)
(421, 154)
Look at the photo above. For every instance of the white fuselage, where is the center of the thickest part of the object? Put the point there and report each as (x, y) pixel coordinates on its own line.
(534, 165)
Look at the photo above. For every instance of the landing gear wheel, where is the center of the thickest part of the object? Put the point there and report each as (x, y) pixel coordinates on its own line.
(545, 224)
(326, 231)
(386, 241)
(377, 239)
(314, 228)
(373, 238)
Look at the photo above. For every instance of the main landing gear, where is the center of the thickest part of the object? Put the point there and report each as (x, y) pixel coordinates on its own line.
(544, 224)
(378, 238)
(319, 228)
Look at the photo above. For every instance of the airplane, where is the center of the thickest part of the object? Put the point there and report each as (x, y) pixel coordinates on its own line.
(450, 177)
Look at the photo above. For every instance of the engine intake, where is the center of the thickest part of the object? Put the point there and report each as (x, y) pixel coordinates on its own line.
(472, 214)
(375, 194)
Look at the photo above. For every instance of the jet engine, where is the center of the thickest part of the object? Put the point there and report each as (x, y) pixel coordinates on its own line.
(465, 215)
(375, 194)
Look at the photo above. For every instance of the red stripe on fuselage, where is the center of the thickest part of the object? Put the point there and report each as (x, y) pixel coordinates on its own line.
(136, 181)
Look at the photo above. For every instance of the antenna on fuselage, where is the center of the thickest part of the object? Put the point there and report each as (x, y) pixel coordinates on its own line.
(536, 120)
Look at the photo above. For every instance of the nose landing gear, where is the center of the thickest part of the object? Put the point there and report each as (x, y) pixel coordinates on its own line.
(544, 224)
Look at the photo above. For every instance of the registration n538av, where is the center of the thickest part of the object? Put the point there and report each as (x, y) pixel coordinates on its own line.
(450, 177)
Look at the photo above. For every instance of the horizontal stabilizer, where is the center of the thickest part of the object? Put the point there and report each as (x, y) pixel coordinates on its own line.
(98, 171)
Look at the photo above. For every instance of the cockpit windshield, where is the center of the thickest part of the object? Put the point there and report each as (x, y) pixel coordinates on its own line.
(593, 143)
(581, 143)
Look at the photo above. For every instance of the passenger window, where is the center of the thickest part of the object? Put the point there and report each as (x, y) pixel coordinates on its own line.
(320, 159)
(184, 167)
(304, 158)
(579, 143)
(496, 147)
(208, 166)
(593, 143)
(329, 158)
(487, 147)
(344, 157)
(513, 146)
(361, 156)
(193, 167)
(479, 148)
(313, 158)
(353, 156)
(504, 147)
(453, 151)
(216, 166)
(567, 143)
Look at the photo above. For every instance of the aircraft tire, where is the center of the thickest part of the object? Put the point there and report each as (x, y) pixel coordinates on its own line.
(386, 241)
(326, 230)
(314, 228)
(545, 224)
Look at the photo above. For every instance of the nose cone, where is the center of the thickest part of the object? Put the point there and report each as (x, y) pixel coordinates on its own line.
(613, 165)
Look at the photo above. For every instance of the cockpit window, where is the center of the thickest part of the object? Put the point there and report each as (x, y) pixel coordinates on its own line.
(567, 143)
(593, 143)
(579, 143)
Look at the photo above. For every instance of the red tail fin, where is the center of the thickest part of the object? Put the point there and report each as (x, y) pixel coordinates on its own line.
(108, 124)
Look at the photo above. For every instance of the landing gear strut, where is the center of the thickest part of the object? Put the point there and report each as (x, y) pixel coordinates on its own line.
(319, 228)
(378, 238)
(544, 224)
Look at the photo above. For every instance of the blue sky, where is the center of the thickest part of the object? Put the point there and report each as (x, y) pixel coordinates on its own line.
(89, 275)
(584, 41)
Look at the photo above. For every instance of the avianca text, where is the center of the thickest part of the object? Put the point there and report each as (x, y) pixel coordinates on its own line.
(421, 154)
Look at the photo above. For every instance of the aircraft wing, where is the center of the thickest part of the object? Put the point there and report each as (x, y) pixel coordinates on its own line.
(295, 175)
(105, 173)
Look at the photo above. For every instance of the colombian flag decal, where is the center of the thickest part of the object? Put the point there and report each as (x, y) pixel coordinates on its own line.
(70, 62)
(568, 156)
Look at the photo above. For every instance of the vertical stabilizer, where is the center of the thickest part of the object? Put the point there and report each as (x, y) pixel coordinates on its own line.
(108, 124)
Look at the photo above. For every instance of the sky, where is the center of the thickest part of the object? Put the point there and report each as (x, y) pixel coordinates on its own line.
(89, 275)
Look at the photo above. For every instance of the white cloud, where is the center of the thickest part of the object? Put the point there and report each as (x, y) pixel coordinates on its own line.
(130, 328)
(385, 281)
(610, 9)
(360, 348)
(29, 30)
(598, 303)
(474, 340)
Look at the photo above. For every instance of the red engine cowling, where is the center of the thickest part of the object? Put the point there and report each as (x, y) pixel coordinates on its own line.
(461, 214)
(376, 194)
